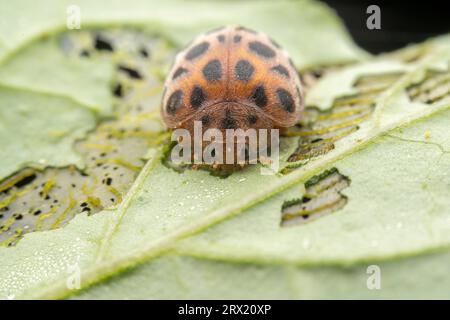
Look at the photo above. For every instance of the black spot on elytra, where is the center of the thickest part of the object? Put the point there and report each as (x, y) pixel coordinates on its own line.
(237, 38)
(252, 119)
(259, 96)
(285, 99)
(132, 73)
(221, 38)
(102, 44)
(205, 120)
(244, 70)
(197, 97)
(261, 49)
(281, 70)
(246, 30)
(212, 71)
(229, 122)
(175, 101)
(197, 50)
(179, 72)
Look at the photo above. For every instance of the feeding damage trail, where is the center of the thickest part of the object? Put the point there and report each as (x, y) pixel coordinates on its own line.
(319, 130)
(33, 200)
(322, 197)
(434, 88)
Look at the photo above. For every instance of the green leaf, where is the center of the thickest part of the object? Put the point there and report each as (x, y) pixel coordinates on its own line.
(380, 125)
(84, 81)
(179, 277)
(53, 100)
(30, 136)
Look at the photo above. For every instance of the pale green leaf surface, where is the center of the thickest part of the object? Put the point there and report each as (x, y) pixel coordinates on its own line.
(56, 101)
(340, 84)
(82, 80)
(45, 257)
(178, 277)
(164, 206)
(39, 130)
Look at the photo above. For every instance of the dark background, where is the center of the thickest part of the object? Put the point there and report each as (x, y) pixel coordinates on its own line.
(402, 22)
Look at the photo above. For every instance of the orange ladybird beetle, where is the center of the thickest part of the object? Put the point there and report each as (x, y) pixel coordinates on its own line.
(232, 78)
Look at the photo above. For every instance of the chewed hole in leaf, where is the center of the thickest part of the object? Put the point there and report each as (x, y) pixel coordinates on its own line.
(322, 197)
(319, 130)
(35, 200)
(434, 88)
